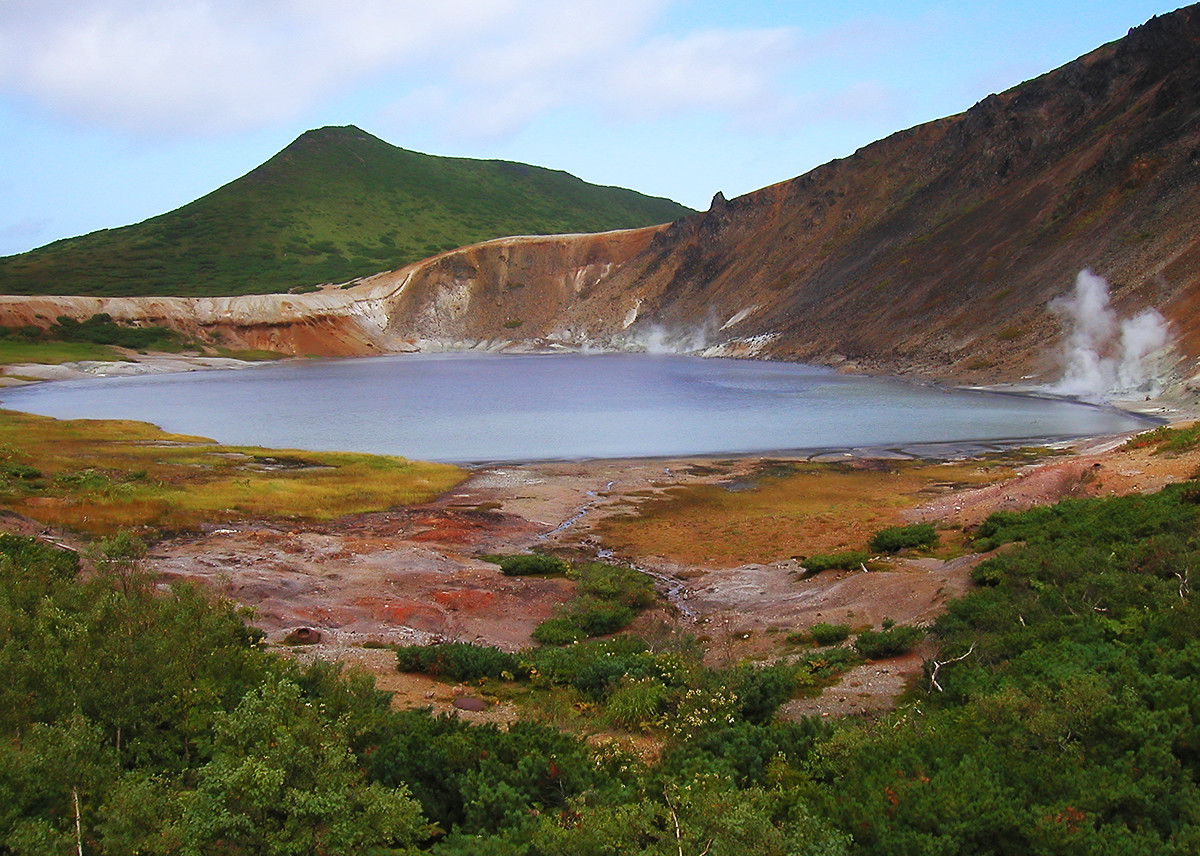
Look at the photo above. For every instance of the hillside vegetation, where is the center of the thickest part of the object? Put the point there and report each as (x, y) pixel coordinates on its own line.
(336, 204)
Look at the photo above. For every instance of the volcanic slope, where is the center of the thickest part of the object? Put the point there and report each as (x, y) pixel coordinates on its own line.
(935, 251)
(336, 204)
(940, 247)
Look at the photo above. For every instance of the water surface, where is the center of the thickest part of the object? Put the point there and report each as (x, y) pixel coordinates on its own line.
(469, 408)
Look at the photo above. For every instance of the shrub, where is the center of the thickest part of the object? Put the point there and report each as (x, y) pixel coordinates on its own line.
(880, 644)
(532, 564)
(761, 690)
(617, 583)
(583, 617)
(559, 630)
(898, 538)
(458, 661)
(574, 665)
(845, 561)
(829, 634)
(596, 616)
(637, 703)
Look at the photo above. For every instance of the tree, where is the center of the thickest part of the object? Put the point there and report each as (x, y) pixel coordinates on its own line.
(283, 782)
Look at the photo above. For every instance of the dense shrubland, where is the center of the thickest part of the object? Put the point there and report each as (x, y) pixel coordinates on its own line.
(1061, 714)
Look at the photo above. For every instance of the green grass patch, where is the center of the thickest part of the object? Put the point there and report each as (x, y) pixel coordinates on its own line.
(847, 560)
(608, 598)
(249, 354)
(1165, 439)
(829, 634)
(16, 351)
(532, 564)
(897, 538)
(889, 642)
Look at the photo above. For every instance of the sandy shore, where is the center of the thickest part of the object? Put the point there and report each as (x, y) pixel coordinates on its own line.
(19, 374)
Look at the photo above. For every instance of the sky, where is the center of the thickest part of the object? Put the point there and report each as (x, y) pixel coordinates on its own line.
(112, 111)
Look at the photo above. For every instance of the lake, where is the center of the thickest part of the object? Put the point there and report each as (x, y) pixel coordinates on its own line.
(476, 408)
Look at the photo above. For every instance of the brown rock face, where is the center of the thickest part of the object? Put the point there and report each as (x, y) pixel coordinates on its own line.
(934, 251)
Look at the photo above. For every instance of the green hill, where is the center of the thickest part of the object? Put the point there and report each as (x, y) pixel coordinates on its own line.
(336, 204)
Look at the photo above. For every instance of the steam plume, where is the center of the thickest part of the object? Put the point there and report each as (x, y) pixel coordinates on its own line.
(1105, 356)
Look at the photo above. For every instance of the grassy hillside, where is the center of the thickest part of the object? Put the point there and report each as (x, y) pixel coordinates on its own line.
(336, 204)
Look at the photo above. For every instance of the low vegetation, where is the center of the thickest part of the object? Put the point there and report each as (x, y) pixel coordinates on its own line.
(1057, 716)
(824, 633)
(801, 509)
(847, 560)
(897, 538)
(532, 564)
(1167, 439)
(99, 477)
(608, 598)
(888, 642)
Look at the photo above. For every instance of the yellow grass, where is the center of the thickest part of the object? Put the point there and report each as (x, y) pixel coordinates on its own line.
(99, 476)
(818, 508)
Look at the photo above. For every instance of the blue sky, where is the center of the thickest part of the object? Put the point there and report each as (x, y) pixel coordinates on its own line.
(112, 111)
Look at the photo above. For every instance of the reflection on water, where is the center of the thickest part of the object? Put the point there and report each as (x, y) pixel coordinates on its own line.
(477, 407)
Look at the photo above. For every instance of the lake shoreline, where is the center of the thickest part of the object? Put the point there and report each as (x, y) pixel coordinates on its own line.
(773, 435)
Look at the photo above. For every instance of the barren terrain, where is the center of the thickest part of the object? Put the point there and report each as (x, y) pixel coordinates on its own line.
(419, 574)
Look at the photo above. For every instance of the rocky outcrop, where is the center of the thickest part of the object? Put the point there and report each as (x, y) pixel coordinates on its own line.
(936, 251)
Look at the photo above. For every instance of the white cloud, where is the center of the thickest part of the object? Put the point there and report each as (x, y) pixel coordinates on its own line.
(723, 69)
(480, 67)
(192, 65)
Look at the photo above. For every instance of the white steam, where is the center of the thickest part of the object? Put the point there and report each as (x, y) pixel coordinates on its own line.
(657, 339)
(1105, 356)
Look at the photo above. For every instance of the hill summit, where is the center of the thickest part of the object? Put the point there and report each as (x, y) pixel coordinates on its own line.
(336, 204)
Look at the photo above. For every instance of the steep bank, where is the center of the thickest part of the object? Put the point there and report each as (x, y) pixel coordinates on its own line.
(936, 251)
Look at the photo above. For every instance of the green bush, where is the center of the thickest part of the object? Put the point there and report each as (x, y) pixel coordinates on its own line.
(100, 329)
(583, 617)
(761, 690)
(637, 704)
(559, 630)
(829, 634)
(616, 582)
(531, 565)
(898, 538)
(20, 471)
(584, 665)
(881, 644)
(458, 661)
(845, 561)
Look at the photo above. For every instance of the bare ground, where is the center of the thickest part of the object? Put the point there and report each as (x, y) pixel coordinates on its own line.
(417, 575)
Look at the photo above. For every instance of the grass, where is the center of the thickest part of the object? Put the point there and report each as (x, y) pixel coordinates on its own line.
(336, 204)
(794, 511)
(17, 351)
(98, 477)
(1166, 439)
